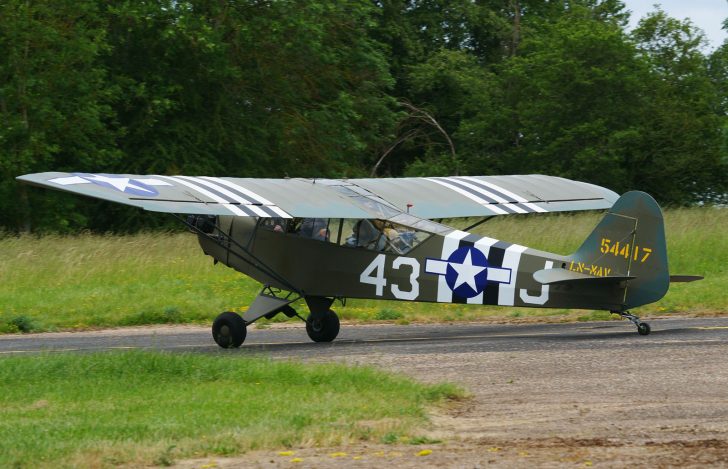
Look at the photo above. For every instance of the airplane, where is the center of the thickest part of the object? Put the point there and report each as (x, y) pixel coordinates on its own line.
(327, 240)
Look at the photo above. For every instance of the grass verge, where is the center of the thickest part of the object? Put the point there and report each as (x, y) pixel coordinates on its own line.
(88, 281)
(140, 408)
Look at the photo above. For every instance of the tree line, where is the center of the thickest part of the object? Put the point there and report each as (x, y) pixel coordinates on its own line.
(354, 88)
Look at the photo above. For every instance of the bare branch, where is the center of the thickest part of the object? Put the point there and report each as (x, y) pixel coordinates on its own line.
(421, 115)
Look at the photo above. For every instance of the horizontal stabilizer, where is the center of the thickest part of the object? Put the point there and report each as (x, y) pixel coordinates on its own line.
(685, 278)
(561, 276)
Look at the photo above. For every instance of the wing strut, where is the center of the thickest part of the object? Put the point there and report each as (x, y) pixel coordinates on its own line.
(477, 223)
(258, 264)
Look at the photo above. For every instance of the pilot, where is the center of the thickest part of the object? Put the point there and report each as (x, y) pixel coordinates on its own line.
(314, 228)
(275, 224)
(366, 234)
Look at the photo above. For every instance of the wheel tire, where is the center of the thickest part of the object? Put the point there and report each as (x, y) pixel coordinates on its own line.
(228, 330)
(323, 327)
(643, 328)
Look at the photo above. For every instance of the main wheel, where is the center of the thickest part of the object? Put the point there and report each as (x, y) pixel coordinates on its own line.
(228, 330)
(323, 327)
(643, 328)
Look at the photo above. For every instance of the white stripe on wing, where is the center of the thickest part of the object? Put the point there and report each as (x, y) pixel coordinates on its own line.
(493, 208)
(516, 197)
(489, 194)
(249, 193)
(235, 210)
(236, 198)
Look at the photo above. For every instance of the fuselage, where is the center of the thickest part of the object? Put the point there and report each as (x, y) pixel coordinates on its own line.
(449, 266)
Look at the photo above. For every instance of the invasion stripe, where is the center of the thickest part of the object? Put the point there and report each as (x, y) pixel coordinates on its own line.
(514, 205)
(471, 238)
(513, 200)
(249, 194)
(487, 196)
(231, 197)
(493, 208)
(450, 243)
(511, 260)
(483, 244)
(235, 210)
(507, 193)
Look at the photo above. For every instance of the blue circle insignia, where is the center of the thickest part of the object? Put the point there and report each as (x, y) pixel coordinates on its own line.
(467, 272)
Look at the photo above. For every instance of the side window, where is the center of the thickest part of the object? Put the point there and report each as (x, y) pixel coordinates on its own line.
(313, 228)
(279, 225)
(381, 235)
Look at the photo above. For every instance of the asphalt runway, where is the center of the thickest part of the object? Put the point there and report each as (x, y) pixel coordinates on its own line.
(291, 340)
(541, 395)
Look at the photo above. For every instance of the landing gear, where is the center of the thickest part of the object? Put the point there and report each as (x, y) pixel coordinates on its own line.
(642, 327)
(322, 327)
(229, 330)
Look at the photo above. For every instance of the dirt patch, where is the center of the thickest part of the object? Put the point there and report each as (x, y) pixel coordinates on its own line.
(658, 403)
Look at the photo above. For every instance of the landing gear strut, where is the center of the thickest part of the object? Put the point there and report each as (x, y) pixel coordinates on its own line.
(642, 327)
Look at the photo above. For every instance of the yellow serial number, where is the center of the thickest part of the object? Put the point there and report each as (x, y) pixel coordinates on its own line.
(638, 253)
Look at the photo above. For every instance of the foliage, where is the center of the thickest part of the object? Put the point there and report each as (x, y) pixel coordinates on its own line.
(273, 89)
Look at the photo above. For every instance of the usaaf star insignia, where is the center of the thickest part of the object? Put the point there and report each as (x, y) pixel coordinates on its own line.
(133, 186)
(467, 272)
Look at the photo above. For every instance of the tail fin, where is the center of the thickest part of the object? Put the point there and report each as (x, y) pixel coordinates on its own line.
(630, 242)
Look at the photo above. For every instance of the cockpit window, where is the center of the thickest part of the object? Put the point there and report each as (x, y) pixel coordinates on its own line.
(384, 236)
(375, 234)
(319, 229)
(279, 225)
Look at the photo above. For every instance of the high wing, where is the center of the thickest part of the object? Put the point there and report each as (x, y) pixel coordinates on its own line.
(425, 198)
(467, 196)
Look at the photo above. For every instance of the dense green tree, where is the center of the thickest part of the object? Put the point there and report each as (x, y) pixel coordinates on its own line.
(254, 89)
(678, 156)
(562, 105)
(718, 69)
(55, 103)
(418, 87)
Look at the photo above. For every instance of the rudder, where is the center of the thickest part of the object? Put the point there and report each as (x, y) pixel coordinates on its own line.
(630, 241)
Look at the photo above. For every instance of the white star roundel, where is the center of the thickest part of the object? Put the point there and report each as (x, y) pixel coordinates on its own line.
(133, 186)
(467, 272)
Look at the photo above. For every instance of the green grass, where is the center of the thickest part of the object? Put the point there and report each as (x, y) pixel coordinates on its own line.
(140, 408)
(87, 281)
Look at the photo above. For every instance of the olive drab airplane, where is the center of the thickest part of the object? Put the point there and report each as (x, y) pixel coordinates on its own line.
(326, 240)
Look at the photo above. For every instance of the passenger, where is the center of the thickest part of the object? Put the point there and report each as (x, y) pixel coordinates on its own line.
(353, 239)
(386, 229)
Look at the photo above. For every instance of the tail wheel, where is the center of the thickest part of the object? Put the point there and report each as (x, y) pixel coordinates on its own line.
(643, 328)
(323, 327)
(229, 330)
